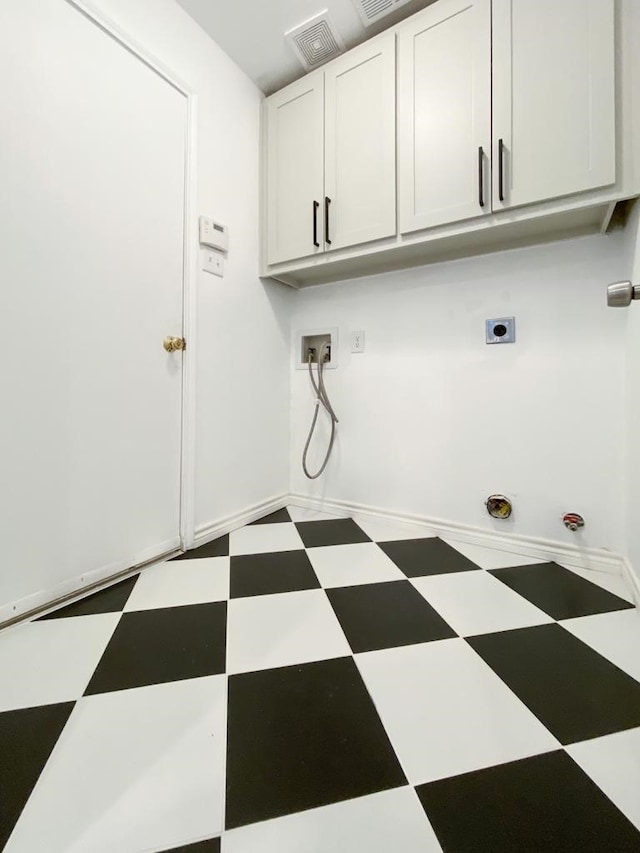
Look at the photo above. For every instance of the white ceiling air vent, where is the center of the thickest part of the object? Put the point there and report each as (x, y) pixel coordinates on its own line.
(372, 10)
(315, 41)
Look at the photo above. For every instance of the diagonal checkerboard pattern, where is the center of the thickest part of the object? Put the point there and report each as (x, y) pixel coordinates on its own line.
(319, 683)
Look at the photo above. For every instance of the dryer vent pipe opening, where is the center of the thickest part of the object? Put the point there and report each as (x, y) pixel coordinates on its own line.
(499, 507)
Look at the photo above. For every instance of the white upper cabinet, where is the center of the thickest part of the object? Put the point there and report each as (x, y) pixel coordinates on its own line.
(444, 114)
(295, 174)
(500, 121)
(331, 155)
(553, 99)
(360, 144)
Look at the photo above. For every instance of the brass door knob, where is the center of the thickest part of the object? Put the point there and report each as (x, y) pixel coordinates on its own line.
(172, 344)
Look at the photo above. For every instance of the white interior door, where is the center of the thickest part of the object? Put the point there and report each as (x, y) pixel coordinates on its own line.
(360, 144)
(295, 170)
(92, 165)
(444, 114)
(553, 98)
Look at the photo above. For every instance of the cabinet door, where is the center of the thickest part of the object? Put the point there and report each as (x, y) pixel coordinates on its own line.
(444, 114)
(295, 151)
(360, 144)
(553, 98)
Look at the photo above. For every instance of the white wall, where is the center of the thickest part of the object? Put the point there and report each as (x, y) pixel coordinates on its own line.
(242, 382)
(432, 420)
(632, 492)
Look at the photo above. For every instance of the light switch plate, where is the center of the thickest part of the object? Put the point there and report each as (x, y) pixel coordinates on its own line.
(501, 331)
(213, 262)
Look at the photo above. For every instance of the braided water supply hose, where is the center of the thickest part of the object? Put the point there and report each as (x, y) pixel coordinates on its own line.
(322, 399)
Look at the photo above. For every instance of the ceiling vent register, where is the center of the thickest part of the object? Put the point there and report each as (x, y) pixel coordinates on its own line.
(371, 11)
(315, 41)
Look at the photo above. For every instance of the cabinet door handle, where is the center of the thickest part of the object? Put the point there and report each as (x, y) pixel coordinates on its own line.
(481, 176)
(501, 169)
(316, 205)
(327, 202)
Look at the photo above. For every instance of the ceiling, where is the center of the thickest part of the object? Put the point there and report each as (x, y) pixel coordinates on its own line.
(251, 32)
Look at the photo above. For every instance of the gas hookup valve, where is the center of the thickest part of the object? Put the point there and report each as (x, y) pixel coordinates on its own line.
(572, 521)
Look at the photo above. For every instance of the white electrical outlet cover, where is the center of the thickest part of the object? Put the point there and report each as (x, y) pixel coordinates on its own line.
(357, 341)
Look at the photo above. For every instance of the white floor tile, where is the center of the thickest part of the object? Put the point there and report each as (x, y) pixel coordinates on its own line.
(133, 770)
(183, 582)
(42, 663)
(613, 583)
(386, 530)
(477, 603)
(392, 820)
(491, 558)
(280, 630)
(264, 538)
(613, 762)
(349, 565)
(616, 636)
(301, 513)
(446, 712)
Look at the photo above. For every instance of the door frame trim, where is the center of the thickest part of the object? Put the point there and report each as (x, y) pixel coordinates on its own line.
(190, 257)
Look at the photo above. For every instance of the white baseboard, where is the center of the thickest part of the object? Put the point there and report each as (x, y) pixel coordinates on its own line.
(206, 532)
(632, 579)
(595, 559)
(76, 587)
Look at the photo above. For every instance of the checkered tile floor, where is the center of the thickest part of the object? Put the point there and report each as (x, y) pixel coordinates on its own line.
(311, 684)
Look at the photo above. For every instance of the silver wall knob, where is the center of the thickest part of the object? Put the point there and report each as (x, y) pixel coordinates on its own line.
(620, 294)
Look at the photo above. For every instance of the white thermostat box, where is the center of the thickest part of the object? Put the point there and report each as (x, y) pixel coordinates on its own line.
(214, 234)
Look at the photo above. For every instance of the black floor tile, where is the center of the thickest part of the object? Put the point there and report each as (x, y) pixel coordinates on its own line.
(301, 737)
(575, 692)
(277, 517)
(431, 556)
(559, 592)
(544, 804)
(218, 548)
(169, 644)
(265, 574)
(109, 600)
(384, 615)
(210, 846)
(27, 738)
(335, 531)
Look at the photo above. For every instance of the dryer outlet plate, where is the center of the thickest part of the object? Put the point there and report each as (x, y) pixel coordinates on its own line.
(501, 331)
